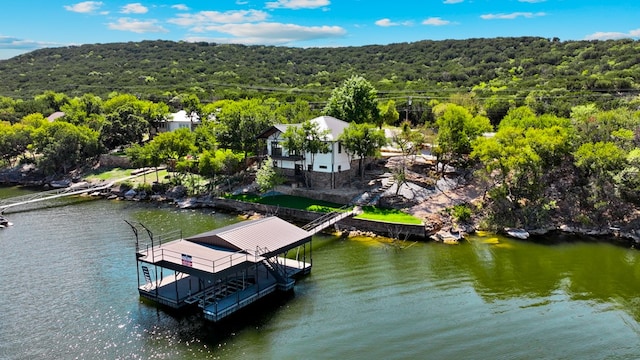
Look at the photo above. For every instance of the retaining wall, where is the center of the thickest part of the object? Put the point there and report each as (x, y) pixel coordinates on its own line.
(400, 231)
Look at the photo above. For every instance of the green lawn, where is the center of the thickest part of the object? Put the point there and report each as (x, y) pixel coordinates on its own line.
(387, 215)
(302, 203)
(113, 174)
(293, 202)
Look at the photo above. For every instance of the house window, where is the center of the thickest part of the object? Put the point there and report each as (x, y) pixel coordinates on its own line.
(339, 147)
(339, 168)
(323, 166)
(276, 149)
(275, 163)
(309, 167)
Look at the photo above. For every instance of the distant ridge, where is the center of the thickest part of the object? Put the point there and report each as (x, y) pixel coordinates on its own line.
(514, 66)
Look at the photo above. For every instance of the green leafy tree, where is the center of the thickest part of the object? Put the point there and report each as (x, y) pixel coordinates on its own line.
(388, 114)
(175, 145)
(85, 110)
(267, 176)
(14, 140)
(64, 146)
(457, 128)
(240, 123)
(123, 126)
(354, 101)
(306, 140)
(362, 141)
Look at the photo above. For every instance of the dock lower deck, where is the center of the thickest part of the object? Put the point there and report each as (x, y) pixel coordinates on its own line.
(222, 298)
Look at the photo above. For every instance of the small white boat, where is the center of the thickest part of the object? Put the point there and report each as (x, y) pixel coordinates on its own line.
(517, 233)
(4, 222)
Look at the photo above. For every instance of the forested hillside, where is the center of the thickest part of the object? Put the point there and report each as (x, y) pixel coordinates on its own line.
(549, 75)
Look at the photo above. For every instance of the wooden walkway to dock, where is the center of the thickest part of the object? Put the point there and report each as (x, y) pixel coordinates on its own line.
(329, 219)
(13, 202)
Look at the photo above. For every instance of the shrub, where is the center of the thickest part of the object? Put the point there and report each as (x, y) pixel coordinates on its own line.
(461, 213)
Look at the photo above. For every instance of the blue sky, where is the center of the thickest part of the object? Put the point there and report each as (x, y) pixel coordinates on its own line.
(26, 25)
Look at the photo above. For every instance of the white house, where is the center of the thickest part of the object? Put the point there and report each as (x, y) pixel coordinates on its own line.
(333, 169)
(179, 120)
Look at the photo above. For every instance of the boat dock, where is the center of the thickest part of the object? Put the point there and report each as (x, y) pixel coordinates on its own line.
(223, 270)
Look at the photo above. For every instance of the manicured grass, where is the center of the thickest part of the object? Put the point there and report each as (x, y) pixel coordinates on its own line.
(112, 174)
(387, 215)
(296, 202)
(293, 202)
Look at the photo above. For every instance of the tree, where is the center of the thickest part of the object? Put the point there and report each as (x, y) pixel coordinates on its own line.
(14, 140)
(64, 146)
(354, 101)
(176, 144)
(362, 141)
(306, 139)
(85, 110)
(267, 175)
(123, 126)
(388, 114)
(457, 128)
(240, 123)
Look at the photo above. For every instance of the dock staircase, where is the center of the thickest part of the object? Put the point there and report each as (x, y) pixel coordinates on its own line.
(278, 271)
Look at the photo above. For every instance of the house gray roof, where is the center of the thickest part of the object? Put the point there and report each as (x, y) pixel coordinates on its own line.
(335, 126)
(271, 235)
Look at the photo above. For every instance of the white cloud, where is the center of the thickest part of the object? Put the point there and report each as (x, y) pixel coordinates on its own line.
(137, 26)
(85, 7)
(452, 1)
(435, 21)
(180, 7)
(9, 42)
(135, 8)
(270, 33)
(511, 16)
(297, 4)
(387, 23)
(207, 18)
(613, 35)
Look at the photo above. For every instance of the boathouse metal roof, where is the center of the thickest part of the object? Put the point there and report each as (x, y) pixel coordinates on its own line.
(267, 236)
(182, 253)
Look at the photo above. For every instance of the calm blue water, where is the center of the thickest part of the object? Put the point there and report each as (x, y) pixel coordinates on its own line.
(68, 291)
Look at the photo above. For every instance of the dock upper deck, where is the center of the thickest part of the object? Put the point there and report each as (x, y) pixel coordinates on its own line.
(187, 256)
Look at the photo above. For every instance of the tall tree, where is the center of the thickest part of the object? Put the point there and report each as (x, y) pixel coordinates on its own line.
(354, 101)
(306, 140)
(457, 128)
(64, 146)
(240, 122)
(362, 141)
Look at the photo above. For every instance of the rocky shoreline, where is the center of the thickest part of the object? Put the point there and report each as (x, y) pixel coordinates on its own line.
(629, 238)
(434, 223)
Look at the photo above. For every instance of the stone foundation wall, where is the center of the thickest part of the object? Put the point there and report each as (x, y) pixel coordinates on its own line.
(111, 161)
(322, 180)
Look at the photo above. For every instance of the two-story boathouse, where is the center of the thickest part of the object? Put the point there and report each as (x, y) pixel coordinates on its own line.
(223, 270)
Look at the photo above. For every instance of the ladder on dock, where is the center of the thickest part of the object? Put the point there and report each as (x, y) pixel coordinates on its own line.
(51, 194)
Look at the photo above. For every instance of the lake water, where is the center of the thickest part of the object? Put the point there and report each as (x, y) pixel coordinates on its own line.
(68, 291)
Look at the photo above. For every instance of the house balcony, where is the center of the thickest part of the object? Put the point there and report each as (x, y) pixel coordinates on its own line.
(288, 158)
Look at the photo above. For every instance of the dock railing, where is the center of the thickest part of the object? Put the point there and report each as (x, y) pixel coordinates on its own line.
(234, 258)
(329, 219)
